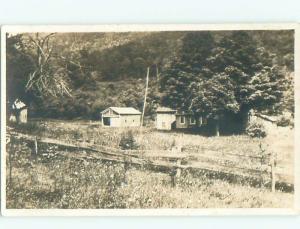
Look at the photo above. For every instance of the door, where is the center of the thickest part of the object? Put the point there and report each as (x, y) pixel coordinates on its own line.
(106, 121)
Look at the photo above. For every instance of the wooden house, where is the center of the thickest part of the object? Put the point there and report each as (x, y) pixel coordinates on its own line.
(165, 118)
(19, 112)
(121, 117)
(188, 120)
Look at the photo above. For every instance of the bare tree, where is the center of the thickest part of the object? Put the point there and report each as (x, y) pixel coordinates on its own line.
(47, 78)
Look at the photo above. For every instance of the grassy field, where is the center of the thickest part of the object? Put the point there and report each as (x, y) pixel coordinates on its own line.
(53, 180)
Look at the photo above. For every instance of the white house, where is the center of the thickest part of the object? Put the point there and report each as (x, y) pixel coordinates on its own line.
(18, 112)
(165, 118)
(121, 117)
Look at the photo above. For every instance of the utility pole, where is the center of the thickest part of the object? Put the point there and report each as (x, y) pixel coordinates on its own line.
(157, 73)
(145, 98)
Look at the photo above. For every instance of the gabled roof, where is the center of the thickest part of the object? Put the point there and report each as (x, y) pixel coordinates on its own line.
(123, 110)
(18, 104)
(165, 110)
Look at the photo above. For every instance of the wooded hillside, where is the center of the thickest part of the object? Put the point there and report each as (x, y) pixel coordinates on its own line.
(76, 75)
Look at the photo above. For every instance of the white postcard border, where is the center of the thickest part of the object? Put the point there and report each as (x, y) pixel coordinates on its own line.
(149, 212)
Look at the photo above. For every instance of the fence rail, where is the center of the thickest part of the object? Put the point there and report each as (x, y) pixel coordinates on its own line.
(168, 160)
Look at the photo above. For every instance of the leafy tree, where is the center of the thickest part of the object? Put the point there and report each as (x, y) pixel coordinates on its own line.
(187, 68)
(213, 98)
(18, 67)
(255, 78)
(175, 87)
(230, 77)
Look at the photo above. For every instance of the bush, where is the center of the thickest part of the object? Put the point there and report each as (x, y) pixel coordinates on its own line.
(128, 142)
(284, 121)
(28, 128)
(256, 130)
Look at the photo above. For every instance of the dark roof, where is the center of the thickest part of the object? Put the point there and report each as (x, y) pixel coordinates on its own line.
(184, 113)
(165, 110)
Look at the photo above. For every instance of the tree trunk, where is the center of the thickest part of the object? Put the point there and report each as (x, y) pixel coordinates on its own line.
(157, 72)
(244, 118)
(217, 125)
(217, 129)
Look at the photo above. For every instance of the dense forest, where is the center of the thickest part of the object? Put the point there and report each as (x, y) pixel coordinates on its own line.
(76, 75)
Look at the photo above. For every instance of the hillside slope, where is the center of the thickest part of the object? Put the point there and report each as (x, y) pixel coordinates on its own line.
(109, 69)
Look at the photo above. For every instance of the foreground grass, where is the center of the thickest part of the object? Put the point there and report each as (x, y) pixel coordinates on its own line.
(55, 181)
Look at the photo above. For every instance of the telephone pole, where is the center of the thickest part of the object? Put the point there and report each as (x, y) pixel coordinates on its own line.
(145, 98)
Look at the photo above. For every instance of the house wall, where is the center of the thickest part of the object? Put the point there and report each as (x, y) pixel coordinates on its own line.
(130, 120)
(124, 120)
(164, 121)
(23, 116)
(115, 121)
(12, 118)
(187, 122)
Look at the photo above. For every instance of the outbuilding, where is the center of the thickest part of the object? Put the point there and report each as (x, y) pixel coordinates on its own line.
(121, 117)
(165, 118)
(18, 112)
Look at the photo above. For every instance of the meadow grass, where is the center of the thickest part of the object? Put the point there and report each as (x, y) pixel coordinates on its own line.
(68, 183)
(51, 180)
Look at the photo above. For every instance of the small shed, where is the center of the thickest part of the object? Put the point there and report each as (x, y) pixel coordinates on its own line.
(121, 117)
(18, 112)
(165, 118)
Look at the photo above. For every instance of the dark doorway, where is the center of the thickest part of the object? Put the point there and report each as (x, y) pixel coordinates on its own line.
(106, 121)
(173, 125)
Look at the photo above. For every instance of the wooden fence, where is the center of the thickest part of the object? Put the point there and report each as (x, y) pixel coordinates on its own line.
(172, 161)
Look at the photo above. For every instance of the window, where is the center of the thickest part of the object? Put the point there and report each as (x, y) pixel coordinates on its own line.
(182, 119)
(192, 120)
(204, 122)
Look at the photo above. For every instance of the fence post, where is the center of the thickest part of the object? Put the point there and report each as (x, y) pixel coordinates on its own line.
(178, 170)
(273, 173)
(10, 160)
(125, 168)
(175, 172)
(172, 175)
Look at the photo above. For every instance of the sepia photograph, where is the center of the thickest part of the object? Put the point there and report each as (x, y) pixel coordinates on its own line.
(148, 118)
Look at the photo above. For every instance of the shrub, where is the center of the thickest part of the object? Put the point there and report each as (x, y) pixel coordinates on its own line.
(128, 142)
(28, 128)
(256, 130)
(284, 121)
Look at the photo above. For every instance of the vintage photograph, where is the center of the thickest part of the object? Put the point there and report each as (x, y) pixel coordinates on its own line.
(141, 119)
